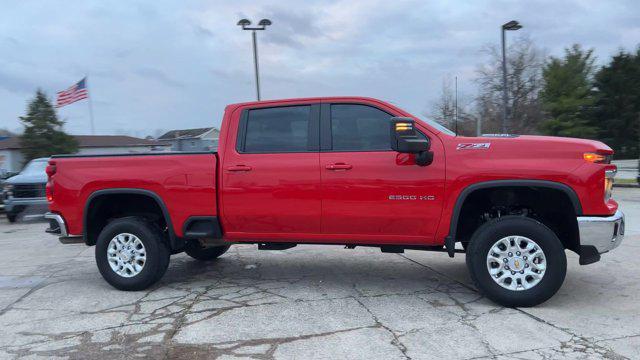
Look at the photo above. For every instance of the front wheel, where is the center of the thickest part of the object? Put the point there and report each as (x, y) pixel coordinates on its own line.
(131, 253)
(516, 261)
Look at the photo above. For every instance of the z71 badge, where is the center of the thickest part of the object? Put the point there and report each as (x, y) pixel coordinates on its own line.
(473, 146)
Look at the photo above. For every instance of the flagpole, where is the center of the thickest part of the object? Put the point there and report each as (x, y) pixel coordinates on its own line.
(86, 83)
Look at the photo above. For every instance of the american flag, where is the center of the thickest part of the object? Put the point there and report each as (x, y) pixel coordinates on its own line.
(75, 93)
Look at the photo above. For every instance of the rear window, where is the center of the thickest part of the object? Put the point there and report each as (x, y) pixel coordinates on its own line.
(279, 129)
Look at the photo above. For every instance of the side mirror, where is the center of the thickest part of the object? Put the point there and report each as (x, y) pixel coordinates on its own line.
(405, 139)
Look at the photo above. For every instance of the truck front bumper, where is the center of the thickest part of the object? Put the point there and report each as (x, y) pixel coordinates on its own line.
(12, 204)
(599, 235)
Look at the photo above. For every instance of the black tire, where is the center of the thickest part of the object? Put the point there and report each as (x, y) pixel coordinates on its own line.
(12, 217)
(489, 233)
(199, 252)
(156, 251)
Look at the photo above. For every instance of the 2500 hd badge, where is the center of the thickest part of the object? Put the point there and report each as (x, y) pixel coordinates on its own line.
(412, 197)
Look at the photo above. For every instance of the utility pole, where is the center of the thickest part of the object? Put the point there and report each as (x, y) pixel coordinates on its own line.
(638, 177)
(262, 25)
(456, 105)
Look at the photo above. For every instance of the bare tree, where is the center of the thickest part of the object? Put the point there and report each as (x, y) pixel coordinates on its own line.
(444, 110)
(524, 81)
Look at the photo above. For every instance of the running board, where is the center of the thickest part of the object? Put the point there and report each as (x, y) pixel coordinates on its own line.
(275, 246)
(399, 249)
(71, 240)
(394, 249)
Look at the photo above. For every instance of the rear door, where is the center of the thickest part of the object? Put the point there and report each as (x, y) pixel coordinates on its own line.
(270, 175)
(371, 194)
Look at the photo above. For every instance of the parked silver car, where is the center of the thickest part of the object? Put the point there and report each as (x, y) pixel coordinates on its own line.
(25, 192)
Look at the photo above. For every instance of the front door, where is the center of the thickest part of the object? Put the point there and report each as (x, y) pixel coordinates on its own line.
(371, 194)
(270, 175)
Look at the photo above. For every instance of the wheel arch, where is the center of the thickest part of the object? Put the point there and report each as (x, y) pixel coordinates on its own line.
(450, 240)
(90, 238)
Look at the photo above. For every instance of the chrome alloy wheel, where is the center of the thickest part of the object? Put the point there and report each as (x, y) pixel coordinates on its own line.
(126, 255)
(516, 263)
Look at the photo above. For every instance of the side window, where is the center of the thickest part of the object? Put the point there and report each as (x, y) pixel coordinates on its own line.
(359, 128)
(280, 129)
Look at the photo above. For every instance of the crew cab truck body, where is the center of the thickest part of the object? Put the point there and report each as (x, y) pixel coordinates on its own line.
(350, 171)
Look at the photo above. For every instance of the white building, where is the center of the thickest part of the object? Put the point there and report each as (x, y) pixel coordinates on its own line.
(202, 139)
(11, 158)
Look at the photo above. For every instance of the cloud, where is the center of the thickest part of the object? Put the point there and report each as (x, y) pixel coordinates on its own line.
(166, 64)
(294, 28)
(202, 31)
(155, 74)
(15, 84)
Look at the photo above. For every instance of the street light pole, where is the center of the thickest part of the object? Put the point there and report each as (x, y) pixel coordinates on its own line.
(255, 63)
(262, 25)
(504, 85)
(510, 26)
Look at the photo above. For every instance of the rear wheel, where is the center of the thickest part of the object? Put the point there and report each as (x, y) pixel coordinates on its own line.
(205, 253)
(131, 253)
(516, 261)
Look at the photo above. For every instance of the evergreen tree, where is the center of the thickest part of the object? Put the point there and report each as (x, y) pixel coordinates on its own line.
(567, 96)
(43, 135)
(618, 104)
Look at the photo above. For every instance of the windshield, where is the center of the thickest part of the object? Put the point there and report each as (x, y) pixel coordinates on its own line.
(35, 167)
(439, 127)
(432, 123)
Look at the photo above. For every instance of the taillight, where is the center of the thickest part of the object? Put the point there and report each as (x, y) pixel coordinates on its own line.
(50, 170)
(609, 176)
(49, 190)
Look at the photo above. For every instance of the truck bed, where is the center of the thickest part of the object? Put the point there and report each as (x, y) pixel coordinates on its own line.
(185, 183)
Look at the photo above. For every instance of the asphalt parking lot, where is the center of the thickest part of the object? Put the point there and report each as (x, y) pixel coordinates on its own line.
(309, 302)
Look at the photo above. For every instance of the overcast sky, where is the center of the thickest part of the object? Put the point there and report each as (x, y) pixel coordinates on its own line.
(160, 65)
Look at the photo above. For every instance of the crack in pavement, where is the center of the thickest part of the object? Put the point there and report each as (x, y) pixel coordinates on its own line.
(231, 347)
(151, 323)
(396, 339)
(574, 346)
(591, 344)
(179, 322)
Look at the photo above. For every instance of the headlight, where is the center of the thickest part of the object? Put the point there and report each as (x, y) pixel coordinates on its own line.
(597, 158)
(609, 176)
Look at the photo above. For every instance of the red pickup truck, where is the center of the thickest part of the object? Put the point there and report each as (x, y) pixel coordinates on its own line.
(346, 171)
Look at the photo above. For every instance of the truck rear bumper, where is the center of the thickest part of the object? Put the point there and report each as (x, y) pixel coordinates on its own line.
(599, 235)
(57, 226)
